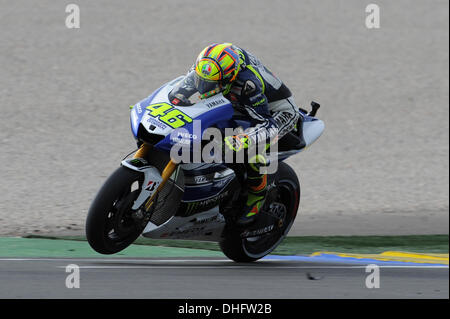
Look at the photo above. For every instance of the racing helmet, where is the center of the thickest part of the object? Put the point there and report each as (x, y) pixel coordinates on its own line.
(216, 66)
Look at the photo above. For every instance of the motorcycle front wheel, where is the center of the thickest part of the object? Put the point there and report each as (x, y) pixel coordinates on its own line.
(110, 226)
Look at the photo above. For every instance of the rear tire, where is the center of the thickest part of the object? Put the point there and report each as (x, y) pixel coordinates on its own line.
(247, 249)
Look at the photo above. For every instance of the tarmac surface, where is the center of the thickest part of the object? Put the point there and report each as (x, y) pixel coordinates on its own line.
(214, 278)
(381, 166)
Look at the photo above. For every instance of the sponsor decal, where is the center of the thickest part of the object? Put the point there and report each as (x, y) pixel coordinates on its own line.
(183, 138)
(257, 231)
(221, 183)
(138, 162)
(156, 123)
(263, 100)
(200, 179)
(261, 136)
(206, 69)
(215, 103)
(200, 220)
(187, 135)
(249, 87)
(188, 232)
(213, 200)
(151, 186)
(205, 204)
(283, 118)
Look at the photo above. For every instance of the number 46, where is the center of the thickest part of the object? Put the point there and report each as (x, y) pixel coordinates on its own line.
(168, 114)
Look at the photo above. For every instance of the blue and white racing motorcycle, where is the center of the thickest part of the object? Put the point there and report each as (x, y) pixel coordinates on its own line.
(150, 194)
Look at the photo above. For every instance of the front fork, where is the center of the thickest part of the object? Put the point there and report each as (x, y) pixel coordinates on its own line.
(166, 173)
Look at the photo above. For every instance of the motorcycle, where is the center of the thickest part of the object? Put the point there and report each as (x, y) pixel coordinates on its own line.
(153, 196)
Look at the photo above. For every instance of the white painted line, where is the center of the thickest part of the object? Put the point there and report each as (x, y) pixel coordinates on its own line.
(249, 267)
(117, 260)
(232, 263)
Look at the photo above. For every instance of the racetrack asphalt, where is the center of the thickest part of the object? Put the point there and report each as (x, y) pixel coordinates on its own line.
(214, 278)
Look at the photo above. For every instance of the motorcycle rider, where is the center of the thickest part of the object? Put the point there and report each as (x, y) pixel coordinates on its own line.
(254, 92)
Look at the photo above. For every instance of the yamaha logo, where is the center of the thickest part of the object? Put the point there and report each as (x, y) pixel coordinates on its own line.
(200, 179)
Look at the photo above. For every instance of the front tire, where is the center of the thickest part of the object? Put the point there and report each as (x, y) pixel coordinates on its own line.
(252, 249)
(110, 227)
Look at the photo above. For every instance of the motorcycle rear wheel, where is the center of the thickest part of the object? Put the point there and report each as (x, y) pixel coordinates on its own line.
(251, 249)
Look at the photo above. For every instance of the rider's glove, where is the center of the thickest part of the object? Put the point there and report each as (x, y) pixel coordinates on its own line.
(237, 143)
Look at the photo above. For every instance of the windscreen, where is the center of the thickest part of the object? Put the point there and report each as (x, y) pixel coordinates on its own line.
(189, 89)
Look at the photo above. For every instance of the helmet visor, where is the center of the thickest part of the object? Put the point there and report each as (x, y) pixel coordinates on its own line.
(203, 85)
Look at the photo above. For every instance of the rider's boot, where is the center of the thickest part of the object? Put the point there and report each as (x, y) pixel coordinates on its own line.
(257, 189)
(251, 209)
